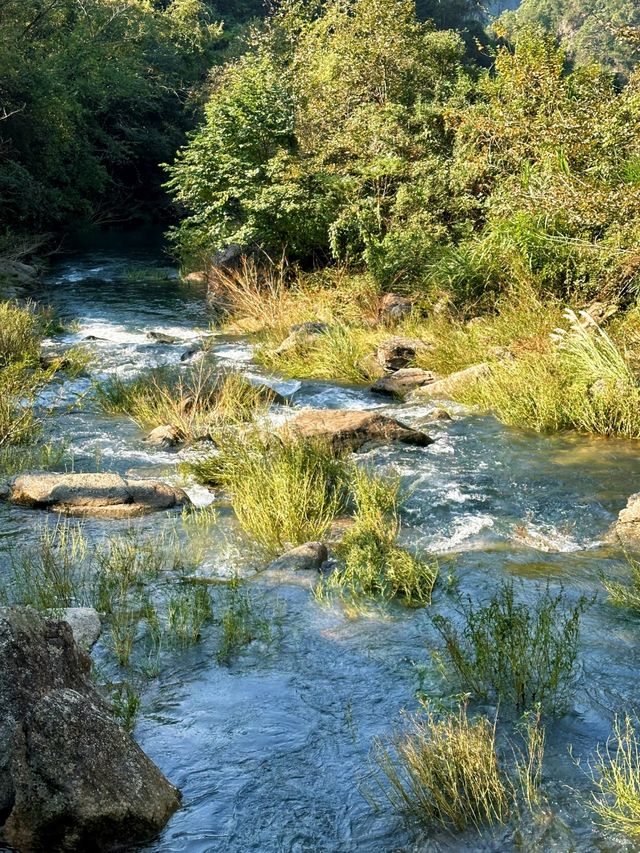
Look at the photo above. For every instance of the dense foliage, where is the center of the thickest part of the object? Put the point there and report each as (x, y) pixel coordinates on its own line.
(607, 31)
(362, 135)
(93, 96)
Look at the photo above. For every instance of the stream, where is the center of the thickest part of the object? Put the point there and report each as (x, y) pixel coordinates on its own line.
(270, 753)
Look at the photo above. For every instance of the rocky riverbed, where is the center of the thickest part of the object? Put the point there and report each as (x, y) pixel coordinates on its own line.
(271, 752)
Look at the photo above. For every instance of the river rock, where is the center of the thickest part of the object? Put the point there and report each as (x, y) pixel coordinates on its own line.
(437, 414)
(446, 388)
(307, 557)
(37, 655)
(167, 436)
(106, 495)
(196, 277)
(16, 272)
(396, 353)
(84, 623)
(394, 307)
(350, 430)
(401, 382)
(162, 338)
(300, 335)
(627, 527)
(81, 782)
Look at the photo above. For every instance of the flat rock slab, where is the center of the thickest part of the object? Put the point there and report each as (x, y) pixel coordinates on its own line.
(349, 430)
(105, 495)
(81, 782)
(401, 382)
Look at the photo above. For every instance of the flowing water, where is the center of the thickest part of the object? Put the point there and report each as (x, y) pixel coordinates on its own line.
(270, 752)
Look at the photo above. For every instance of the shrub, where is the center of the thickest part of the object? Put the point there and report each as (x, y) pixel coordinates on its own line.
(284, 490)
(373, 566)
(519, 653)
(616, 775)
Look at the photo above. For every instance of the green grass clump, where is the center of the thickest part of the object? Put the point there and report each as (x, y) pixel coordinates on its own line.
(240, 625)
(616, 775)
(444, 771)
(521, 654)
(285, 490)
(52, 573)
(373, 565)
(341, 353)
(22, 329)
(196, 401)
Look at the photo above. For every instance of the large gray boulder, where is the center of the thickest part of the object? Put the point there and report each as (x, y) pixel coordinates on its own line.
(350, 430)
(70, 777)
(105, 495)
(37, 656)
(81, 782)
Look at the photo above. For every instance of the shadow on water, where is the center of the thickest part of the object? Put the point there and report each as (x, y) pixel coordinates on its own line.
(268, 751)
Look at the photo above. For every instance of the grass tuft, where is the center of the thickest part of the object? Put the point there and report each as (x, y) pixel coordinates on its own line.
(285, 491)
(616, 775)
(373, 565)
(523, 655)
(196, 402)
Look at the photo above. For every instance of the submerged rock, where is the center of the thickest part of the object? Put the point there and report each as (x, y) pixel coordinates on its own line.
(401, 382)
(307, 557)
(106, 495)
(396, 353)
(81, 782)
(445, 388)
(350, 430)
(162, 338)
(437, 414)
